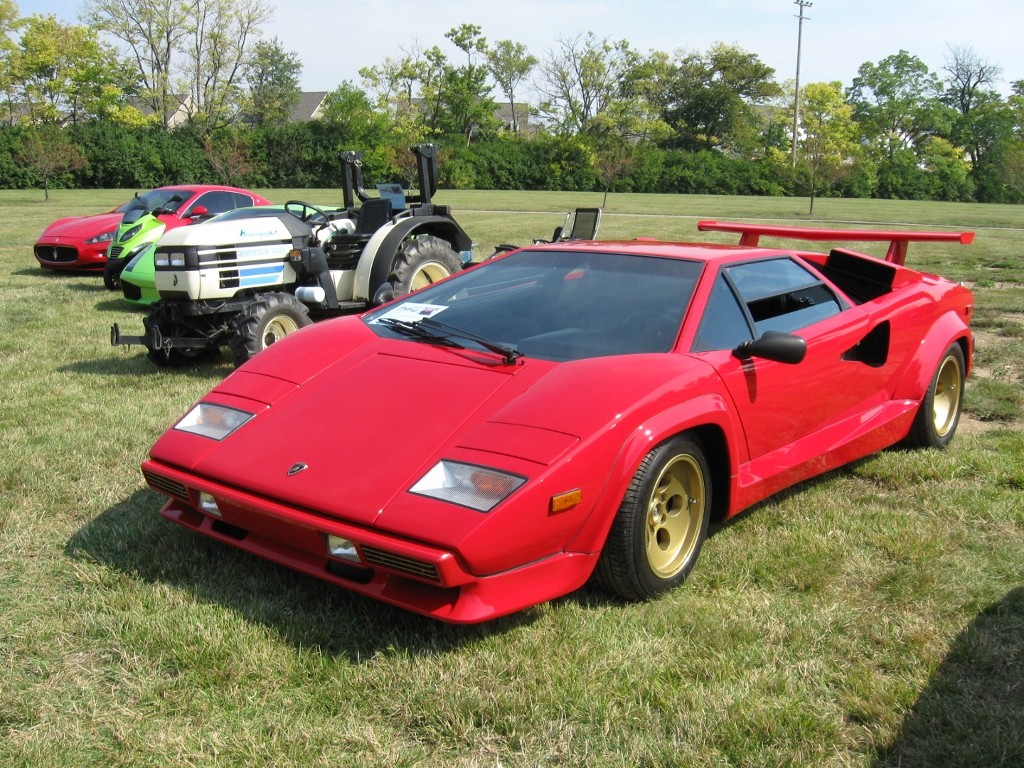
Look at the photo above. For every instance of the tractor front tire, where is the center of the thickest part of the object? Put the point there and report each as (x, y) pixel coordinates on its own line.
(112, 273)
(266, 321)
(422, 261)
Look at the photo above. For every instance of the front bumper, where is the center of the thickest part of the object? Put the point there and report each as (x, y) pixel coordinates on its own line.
(418, 577)
(70, 255)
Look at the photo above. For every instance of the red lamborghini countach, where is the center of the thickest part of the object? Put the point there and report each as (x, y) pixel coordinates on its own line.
(566, 412)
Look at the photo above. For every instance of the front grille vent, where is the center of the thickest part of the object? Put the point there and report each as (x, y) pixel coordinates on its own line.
(400, 563)
(166, 485)
(57, 253)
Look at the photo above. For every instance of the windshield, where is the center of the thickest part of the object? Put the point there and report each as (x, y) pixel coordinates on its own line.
(158, 198)
(557, 305)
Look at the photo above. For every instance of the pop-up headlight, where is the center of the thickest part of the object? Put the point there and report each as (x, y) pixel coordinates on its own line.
(213, 421)
(467, 485)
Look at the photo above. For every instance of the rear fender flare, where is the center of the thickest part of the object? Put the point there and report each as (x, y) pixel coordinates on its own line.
(710, 418)
(375, 264)
(948, 329)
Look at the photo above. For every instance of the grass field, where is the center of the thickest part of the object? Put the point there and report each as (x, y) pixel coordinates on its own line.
(871, 617)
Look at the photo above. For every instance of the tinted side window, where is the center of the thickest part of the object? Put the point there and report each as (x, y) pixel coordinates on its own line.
(215, 202)
(782, 295)
(724, 326)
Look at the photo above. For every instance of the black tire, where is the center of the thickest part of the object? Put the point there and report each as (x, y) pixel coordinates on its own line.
(939, 413)
(112, 273)
(264, 322)
(661, 524)
(422, 261)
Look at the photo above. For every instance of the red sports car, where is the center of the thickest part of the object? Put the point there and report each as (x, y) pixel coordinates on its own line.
(565, 412)
(80, 243)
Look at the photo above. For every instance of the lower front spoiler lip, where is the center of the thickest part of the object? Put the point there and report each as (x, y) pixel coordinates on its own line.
(297, 539)
(475, 600)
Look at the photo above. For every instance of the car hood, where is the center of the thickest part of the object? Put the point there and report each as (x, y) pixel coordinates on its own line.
(371, 423)
(84, 227)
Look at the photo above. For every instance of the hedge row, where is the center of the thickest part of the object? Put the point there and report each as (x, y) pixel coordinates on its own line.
(305, 155)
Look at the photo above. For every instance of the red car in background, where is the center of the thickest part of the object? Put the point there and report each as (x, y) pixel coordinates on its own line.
(79, 243)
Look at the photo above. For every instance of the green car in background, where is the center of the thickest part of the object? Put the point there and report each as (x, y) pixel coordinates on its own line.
(129, 266)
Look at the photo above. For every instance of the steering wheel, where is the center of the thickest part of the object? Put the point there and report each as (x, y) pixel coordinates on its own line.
(309, 212)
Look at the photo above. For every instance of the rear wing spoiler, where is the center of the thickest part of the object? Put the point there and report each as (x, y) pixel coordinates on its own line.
(750, 234)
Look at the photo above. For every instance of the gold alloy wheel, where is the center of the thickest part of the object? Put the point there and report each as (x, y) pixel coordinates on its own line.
(428, 273)
(946, 398)
(675, 513)
(278, 328)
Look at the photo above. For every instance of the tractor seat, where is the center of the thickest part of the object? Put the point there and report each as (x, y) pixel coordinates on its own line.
(343, 248)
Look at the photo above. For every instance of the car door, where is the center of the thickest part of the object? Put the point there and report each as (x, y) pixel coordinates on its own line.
(781, 405)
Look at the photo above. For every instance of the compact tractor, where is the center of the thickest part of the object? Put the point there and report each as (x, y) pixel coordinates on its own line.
(249, 277)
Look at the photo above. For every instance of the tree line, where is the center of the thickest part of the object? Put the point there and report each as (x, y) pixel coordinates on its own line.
(195, 93)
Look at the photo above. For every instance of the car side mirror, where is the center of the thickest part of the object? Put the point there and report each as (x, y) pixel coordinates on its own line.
(198, 212)
(774, 345)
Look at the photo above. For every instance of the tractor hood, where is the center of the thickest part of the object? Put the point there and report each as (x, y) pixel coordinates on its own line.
(368, 425)
(254, 230)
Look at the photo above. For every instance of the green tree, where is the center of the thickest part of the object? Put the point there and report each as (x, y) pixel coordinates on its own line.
(9, 24)
(63, 74)
(829, 146)
(217, 52)
(455, 99)
(47, 151)
(896, 102)
(591, 87)
(152, 30)
(982, 121)
(510, 64)
(947, 171)
(272, 76)
(189, 54)
(360, 124)
(712, 99)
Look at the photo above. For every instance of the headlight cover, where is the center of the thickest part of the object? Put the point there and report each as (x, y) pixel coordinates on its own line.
(103, 237)
(213, 421)
(467, 485)
(128, 234)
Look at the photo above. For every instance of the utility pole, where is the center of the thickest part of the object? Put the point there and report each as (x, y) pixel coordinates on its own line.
(796, 99)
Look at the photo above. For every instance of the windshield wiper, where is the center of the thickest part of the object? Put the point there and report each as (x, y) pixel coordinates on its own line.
(431, 330)
(509, 353)
(416, 331)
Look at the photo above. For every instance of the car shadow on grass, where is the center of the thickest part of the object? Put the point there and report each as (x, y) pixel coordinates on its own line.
(971, 713)
(133, 538)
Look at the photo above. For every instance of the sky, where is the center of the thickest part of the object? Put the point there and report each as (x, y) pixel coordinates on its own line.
(334, 40)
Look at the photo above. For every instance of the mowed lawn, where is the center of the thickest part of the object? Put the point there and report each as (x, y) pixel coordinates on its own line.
(870, 617)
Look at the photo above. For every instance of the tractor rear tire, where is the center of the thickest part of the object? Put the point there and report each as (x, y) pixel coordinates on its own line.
(422, 261)
(266, 321)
